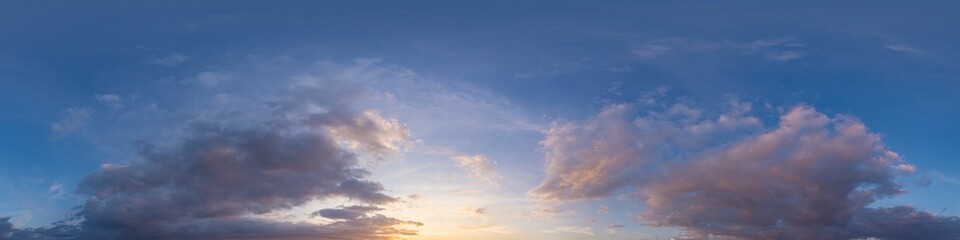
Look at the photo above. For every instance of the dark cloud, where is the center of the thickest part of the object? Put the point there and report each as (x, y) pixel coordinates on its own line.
(6, 227)
(904, 222)
(810, 177)
(211, 180)
(348, 213)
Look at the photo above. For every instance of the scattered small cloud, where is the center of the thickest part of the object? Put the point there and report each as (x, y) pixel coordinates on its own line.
(613, 228)
(73, 119)
(572, 229)
(112, 101)
(783, 56)
(603, 210)
(906, 168)
(477, 211)
(57, 191)
(547, 211)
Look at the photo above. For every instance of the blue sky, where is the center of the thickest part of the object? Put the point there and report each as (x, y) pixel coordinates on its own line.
(458, 110)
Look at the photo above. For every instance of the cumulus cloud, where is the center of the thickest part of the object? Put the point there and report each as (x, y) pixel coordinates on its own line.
(73, 119)
(373, 134)
(811, 176)
(171, 60)
(593, 158)
(225, 170)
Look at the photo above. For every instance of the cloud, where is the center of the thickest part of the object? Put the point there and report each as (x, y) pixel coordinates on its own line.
(613, 228)
(423, 100)
(809, 177)
(348, 213)
(110, 100)
(772, 49)
(373, 134)
(905, 48)
(573, 229)
(946, 179)
(609, 151)
(56, 191)
(73, 119)
(783, 56)
(211, 79)
(906, 168)
(479, 211)
(480, 166)
(603, 210)
(6, 227)
(171, 60)
(547, 211)
(221, 172)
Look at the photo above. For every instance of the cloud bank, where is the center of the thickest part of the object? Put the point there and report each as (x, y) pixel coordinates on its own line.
(811, 176)
(225, 170)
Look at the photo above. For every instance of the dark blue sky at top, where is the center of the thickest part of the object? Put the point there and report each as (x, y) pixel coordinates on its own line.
(556, 59)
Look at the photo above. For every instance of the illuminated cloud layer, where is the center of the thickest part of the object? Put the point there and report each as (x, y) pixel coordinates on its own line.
(811, 176)
(219, 172)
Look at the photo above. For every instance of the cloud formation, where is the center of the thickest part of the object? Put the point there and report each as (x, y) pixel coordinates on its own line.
(809, 177)
(225, 170)
(348, 213)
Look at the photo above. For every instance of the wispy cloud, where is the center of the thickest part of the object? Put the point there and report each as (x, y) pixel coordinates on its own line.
(171, 60)
(946, 179)
(211, 78)
(613, 228)
(73, 119)
(771, 49)
(480, 166)
(57, 191)
(112, 101)
(573, 229)
(904, 48)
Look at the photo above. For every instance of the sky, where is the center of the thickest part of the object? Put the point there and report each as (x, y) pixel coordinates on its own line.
(479, 120)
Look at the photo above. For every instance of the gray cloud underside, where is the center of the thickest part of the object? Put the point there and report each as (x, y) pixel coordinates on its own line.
(211, 180)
